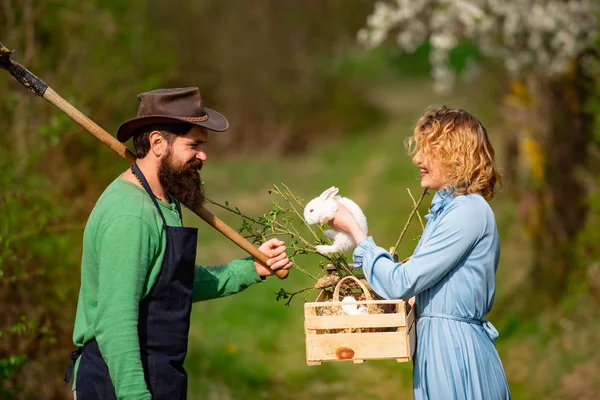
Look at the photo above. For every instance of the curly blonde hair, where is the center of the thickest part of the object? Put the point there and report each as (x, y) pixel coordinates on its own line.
(459, 141)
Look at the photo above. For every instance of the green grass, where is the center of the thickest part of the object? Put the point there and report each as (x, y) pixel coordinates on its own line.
(250, 346)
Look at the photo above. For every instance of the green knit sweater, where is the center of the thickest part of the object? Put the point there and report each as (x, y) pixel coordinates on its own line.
(123, 249)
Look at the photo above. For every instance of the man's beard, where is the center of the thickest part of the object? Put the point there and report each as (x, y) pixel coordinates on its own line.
(182, 181)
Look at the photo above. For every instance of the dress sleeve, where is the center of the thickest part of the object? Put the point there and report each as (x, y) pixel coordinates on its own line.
(456, 233)
(224, 280)
(125, 248)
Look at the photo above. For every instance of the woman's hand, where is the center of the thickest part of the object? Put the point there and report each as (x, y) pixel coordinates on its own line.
(343, 221)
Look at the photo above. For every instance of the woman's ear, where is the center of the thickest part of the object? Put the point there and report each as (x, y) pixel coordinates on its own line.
(157, 143)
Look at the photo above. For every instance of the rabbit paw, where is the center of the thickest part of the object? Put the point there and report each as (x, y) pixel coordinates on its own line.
(330, 234)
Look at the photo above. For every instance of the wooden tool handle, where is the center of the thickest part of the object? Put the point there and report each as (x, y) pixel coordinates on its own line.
(41, 88)
(124, 152)
(89, 125)
(34, 84)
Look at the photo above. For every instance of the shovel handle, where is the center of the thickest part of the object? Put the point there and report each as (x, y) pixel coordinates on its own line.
(40, 88)
(89, 125)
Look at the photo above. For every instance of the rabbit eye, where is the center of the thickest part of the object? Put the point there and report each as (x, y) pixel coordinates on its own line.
(311, 210)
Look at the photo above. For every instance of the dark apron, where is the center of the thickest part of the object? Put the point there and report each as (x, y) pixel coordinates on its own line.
(163, 325)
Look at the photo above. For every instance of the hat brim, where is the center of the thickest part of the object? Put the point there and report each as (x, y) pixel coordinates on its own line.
(215, 122)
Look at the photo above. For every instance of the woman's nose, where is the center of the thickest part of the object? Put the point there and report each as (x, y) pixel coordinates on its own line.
(417, 158)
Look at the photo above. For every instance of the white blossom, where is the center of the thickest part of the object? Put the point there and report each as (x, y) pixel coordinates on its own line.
(539, 35)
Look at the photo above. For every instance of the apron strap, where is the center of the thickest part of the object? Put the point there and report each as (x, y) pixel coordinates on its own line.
(74, 356)
(142, 178)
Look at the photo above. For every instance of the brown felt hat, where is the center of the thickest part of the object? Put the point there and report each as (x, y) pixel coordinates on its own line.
(181, 105)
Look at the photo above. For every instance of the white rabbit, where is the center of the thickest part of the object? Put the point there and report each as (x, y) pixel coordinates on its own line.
(322, 209)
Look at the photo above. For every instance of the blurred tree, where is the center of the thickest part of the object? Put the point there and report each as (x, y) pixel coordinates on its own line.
(548, 50)
(589, 237)
(52, 172)
(271, 67)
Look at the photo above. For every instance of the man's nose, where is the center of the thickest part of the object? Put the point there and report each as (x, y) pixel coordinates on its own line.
(201, 156)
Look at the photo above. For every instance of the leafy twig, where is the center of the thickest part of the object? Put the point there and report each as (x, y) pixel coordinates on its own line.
(236, 211)
(286, 219)
(283, 294)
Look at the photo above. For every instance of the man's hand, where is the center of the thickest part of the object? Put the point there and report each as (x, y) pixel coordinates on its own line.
(278, 259)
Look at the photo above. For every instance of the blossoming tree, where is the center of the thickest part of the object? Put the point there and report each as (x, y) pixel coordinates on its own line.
(548, 49)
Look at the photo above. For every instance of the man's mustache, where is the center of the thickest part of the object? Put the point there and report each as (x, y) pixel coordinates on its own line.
(196, 164)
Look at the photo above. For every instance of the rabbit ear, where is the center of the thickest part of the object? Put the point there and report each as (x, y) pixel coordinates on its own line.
(329, 193)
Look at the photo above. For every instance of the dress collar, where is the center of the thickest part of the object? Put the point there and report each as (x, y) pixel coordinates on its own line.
(441, 198)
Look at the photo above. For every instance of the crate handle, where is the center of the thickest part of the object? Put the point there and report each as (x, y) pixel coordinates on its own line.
(336, 291)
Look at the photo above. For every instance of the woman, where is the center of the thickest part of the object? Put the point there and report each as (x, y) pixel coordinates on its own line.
(453, 269)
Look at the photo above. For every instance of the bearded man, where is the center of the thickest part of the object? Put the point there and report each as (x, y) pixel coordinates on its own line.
(138, 272)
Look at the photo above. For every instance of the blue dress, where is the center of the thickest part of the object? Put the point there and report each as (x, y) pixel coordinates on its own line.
(452, 273)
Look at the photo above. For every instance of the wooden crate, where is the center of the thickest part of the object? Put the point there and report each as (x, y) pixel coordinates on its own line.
(391, 335)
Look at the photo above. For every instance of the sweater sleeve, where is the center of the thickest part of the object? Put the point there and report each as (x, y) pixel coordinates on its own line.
(125, 248)
(453, 237)
(224, 280)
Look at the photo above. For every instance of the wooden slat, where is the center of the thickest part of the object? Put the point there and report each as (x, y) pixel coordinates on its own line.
(309, 312)
(358, 302)
(379, 345)
(354, 321)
